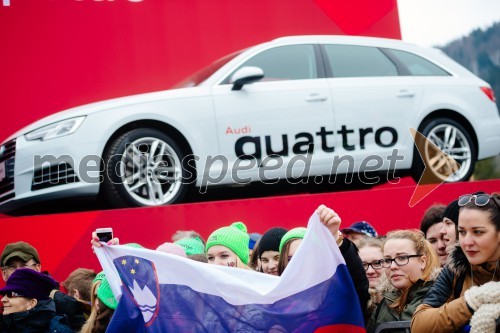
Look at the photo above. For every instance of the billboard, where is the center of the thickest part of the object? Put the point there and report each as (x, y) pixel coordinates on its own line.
(58, 54)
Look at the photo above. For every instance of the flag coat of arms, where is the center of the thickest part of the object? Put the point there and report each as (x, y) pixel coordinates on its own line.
(161, 292)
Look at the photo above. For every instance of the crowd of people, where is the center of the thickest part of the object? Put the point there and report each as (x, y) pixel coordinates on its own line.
(442, 277)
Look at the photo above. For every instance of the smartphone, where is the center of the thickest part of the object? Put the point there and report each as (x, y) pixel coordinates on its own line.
(104, 234)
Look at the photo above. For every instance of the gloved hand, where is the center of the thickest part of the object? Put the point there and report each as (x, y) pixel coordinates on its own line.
(488, 293)
(484, 319)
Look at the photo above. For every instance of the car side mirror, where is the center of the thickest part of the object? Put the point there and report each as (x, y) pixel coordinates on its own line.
(246, 75)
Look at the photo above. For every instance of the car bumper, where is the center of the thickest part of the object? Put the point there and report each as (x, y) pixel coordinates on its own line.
(46, 170)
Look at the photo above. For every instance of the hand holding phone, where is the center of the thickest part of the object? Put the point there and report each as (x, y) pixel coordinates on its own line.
(104, 234)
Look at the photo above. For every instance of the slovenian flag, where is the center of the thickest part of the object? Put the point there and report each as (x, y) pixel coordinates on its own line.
(161, 292)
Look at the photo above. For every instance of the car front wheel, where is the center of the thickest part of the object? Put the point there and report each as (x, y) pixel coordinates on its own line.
(144, 167)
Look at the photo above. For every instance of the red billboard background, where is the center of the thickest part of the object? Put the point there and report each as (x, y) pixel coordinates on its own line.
(57, 54)
(63, 240)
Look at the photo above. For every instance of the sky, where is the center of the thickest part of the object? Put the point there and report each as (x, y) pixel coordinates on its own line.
(437, 22)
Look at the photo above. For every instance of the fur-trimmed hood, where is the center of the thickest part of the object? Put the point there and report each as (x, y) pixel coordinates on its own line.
(457, 261)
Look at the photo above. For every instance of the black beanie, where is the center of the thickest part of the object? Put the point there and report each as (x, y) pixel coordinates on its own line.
(270, 241)
(451, 211)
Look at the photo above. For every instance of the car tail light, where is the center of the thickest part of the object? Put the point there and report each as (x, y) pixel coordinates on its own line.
(489, 92)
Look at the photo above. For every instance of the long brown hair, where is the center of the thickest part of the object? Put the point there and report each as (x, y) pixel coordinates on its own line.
(100, 316)
(253, 263)
(283, 262)
(88, 327)
(422, 247)
(103, 318)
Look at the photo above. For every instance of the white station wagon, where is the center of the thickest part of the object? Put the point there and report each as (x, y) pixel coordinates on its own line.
(292, 108)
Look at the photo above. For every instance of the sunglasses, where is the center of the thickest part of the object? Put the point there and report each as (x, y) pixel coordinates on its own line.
(12, 294)
(479, 200)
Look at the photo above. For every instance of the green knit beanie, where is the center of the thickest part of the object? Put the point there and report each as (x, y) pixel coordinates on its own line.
(191, 245)
(294, 233)
(106, 295)
(99, 277)
(234, 237)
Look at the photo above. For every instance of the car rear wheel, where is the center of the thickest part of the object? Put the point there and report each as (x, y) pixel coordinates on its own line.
(144, 167)
(454, 140)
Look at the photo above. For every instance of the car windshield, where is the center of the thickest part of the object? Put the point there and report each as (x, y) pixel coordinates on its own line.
(203, 74)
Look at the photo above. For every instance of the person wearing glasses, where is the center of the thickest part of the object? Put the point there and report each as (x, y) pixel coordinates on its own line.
(20, 255)
(466, 295)
(27, 306)
(370, 252)
(410, 264)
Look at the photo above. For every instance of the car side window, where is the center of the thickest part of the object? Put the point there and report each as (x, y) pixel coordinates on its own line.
(417, 65)
(358, 61)
(293, 62)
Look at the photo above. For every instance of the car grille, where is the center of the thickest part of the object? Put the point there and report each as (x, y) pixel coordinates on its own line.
(53, 175)
(7, 158)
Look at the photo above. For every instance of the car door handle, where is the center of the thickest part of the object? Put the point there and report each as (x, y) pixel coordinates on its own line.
(405, 94)
(316, 98)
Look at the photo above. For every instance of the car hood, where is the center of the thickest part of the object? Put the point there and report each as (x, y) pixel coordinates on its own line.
(110, 104)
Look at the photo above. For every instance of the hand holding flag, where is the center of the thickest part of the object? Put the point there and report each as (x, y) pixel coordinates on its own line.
(160, 292)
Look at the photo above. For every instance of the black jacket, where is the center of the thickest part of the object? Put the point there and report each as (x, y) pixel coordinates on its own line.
(69, 306)
(41, 319)
(355, 266)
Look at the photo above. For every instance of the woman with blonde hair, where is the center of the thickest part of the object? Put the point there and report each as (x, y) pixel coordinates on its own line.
(103, 306)
(411, 265)
(89, 324)
(372, 257)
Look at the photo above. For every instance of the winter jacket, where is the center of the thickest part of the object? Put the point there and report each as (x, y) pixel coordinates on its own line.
(355, 266)
(384, 313)
(444, 308)
(69, 306)
(41, 319)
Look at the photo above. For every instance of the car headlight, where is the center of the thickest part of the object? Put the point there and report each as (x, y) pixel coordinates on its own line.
(55, 130)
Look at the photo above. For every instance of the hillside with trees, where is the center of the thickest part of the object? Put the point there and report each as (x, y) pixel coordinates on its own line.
(479, 52)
